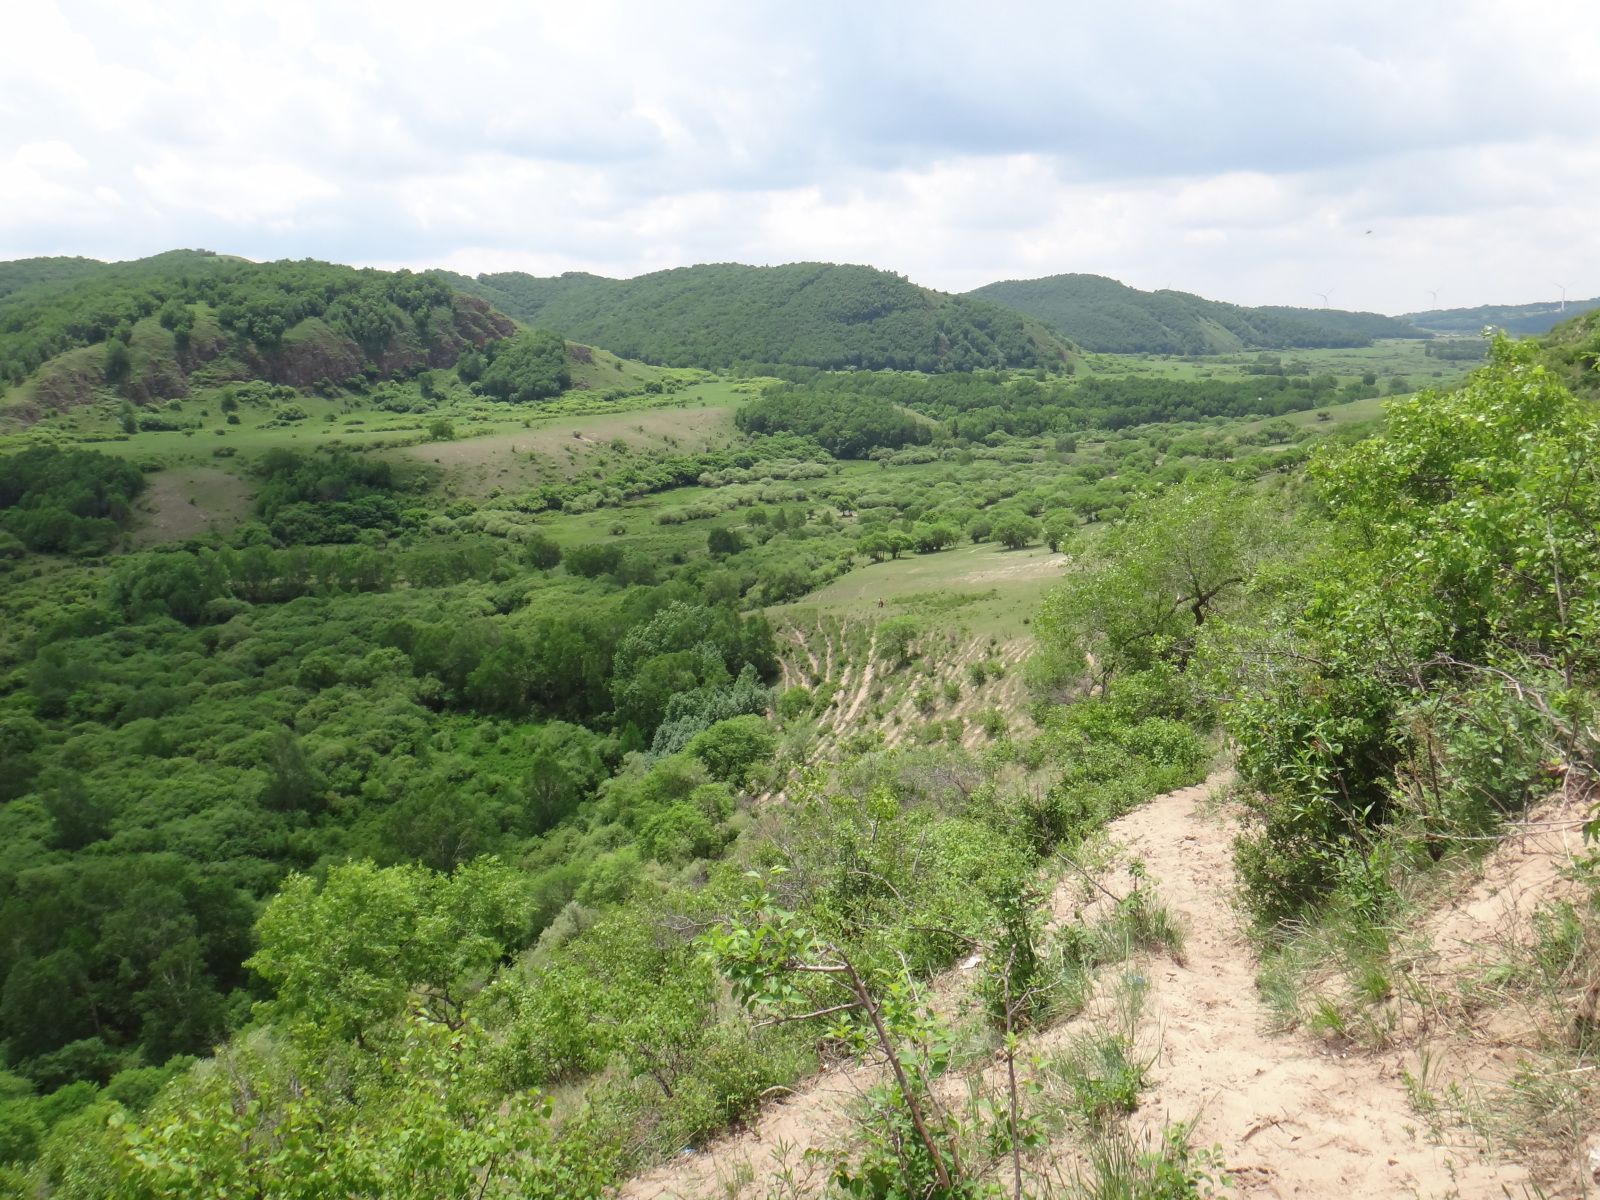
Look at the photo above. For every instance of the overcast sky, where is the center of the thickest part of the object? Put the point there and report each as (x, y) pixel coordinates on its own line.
(1238, 149)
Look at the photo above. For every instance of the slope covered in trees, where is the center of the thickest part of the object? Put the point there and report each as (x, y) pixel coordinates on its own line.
(802, 314)
(1101, 314)
(1521, 320)
(145, 328)
(1573, 350)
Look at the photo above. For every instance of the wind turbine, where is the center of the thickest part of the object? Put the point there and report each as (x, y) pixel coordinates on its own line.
(1434, 292)
(1324, 296)
(1563, 287)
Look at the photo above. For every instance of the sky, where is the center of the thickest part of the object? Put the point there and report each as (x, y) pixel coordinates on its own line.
(1254, 152)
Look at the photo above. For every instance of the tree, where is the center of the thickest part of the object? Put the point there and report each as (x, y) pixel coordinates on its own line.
(1015, 530)
(293, 783)
(1141, 594)
(344, 955)
(541, 552)
(722, 541)
(929, 539)
(1058, 527)
(529, 367)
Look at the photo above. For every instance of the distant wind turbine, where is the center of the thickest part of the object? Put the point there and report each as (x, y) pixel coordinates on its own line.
(1434, 292)
(1324, 296)
(1563, 287)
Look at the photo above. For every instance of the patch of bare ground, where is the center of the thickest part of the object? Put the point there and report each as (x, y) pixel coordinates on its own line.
(1293, 1116)
(186, 502)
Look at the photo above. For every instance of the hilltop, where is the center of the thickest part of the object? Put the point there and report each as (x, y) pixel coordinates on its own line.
(1104, 315)
(73, 330)
(801, 314)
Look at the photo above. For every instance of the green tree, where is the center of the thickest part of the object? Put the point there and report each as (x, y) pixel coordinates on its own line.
(1142, 592)
(527, 368)
(1014, 530)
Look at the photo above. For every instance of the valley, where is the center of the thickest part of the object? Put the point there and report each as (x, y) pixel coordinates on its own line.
(764, 732)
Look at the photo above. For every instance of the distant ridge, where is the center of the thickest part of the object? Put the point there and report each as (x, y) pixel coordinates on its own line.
(1104, 315)
(821, 315)
(1524, 320)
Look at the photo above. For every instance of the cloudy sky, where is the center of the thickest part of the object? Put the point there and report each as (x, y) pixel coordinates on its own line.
(1235, 148)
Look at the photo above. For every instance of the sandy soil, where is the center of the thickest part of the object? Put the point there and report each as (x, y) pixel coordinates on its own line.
(1293, 1118)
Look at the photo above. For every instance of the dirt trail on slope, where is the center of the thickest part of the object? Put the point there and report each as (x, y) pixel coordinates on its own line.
(1292, 1118)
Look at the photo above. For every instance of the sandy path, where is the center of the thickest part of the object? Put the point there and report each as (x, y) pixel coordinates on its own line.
(1292, 1118)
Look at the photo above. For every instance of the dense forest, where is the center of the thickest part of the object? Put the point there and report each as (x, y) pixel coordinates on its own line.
(805, 314)
(1103, 315)
(146, 329)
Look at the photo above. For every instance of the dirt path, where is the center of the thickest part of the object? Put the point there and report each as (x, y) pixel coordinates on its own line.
(1292, 1118)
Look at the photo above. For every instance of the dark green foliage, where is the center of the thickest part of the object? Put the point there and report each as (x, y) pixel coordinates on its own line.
(1573, 350)
(807, 314)
(855, 413)
(285, 319)
(529, 367)
(326, 497)
(847, 424)
(66, 501)
(1102, 314)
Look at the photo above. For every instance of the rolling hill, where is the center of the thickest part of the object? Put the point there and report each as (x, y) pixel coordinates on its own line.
(72, 329)
(802, 314)
(1523, 320)
(1103, 315)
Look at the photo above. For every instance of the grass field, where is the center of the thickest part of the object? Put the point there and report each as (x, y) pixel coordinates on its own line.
(980, 591)
(1386, 359)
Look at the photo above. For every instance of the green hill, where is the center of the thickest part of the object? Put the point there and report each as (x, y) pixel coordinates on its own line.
(1573, 349)
(73, 329)
(802, 314)
(34, 272)
(1523, 320)
(1104, 315)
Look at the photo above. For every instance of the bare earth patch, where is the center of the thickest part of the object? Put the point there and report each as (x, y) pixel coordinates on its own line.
(1292, 1117)
(188, 501)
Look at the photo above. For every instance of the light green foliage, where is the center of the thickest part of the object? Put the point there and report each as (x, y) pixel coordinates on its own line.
(419, 1120)
(1139, 595)
(732, 749)
(1439, 656)
(1014, 530)
(344, 956)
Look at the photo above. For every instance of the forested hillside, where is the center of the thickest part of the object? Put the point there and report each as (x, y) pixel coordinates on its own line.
(1520, 320)
(28, 272)
(150, 329)
(802, 314)
(1573, 349)
(1103, 315)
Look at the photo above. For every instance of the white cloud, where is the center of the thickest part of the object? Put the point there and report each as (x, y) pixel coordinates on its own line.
(1237, 150)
